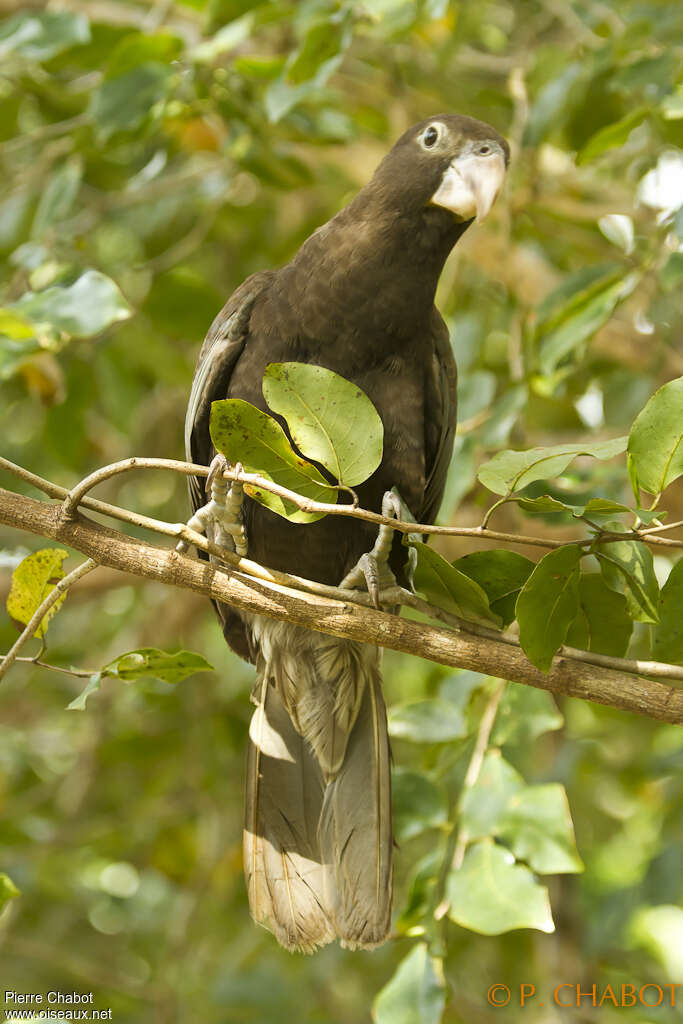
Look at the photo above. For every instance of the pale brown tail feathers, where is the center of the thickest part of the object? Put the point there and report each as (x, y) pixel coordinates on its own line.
(317, 835)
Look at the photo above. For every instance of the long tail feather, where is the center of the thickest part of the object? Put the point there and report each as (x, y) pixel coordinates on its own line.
(318, 838)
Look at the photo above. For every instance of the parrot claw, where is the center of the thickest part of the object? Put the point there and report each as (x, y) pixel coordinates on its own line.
(372, 570)
(221, 518)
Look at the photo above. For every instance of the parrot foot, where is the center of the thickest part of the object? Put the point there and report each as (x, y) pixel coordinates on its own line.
(222, 515)
(372, 570)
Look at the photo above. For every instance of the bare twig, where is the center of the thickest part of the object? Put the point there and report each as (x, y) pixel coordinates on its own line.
(60, 588)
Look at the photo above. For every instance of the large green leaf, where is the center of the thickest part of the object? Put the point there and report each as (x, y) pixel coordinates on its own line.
(537, 823)
(82, 309)
(668, 634)
(123, 103)
(630, 563)
(417, 804)
(548, 603)
(501, 574)
(245, 434)
(510, 471)
(485, 802)
(524, 714)
(416, 994)
(427, 721)
(58, 196)
(32, 580)
(655, 443)
(612, 135)
(603, 623)
(582, 316)
(330, 419)
(447, 587)
(39, 35)
(490, 894)
(320, 50)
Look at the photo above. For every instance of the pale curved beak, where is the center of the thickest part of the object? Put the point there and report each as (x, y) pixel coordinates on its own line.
(470, 185)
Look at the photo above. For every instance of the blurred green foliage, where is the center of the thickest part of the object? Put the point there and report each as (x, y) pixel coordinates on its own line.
(153, 155)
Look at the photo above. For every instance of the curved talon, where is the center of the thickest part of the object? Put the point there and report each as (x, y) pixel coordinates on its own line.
(372, 568)
(223, 511)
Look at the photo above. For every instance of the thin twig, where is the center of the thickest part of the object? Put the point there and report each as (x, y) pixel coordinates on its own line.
(43, 608)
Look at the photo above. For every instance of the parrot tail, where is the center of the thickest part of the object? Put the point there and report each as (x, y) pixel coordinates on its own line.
(317, 835)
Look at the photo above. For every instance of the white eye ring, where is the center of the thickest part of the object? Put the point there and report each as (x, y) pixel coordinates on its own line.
(431, 135)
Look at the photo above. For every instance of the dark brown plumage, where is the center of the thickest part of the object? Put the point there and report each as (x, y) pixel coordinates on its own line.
(357, 298)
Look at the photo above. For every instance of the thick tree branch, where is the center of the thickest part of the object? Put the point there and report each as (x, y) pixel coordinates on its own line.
(338, 618)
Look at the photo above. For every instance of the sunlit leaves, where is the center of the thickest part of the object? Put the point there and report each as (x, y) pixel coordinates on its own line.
(510, 471)
(486, 801)
(612, 135)
(548, 603)
(583, 314)
(416, 994)
(330, 419)
(427, 721)
(537, 824)
(245, 434)
(79, 310)
(8, 890)
(491, 894)
(39, 35)
(32, 581)
(524, 714)
(668, 634)
(655, 443)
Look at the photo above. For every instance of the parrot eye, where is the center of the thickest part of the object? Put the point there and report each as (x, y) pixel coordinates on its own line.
(485, 149)
(430, 136)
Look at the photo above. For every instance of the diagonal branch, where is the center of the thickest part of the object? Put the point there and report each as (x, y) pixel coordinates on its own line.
(341, 618)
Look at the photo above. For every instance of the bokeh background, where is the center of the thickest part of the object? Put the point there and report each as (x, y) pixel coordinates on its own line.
(153, 155)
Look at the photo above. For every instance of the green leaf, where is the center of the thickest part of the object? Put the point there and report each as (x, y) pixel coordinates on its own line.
(612, 135)
(229, 37)
(417, 804)
(58, 196)
(548, 604)
(330, 419)
(416, 994)
(475, 392)
(8, 890)
(447, 587)
(501, 574)
(630, 562)
(32, 581)
(583, 315)
(92, 686)
(123, 103)
(142, 48)
(322, 46)
(39, 35)
(14, 326)
(510, 471)
(245, 434)
(485, 802)
(490, 894)
(427, 721)
(151, 663)
(655, 443)
(537, 823)
(82, 309)
(603, 623)
(668, 634)
(524, 714)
